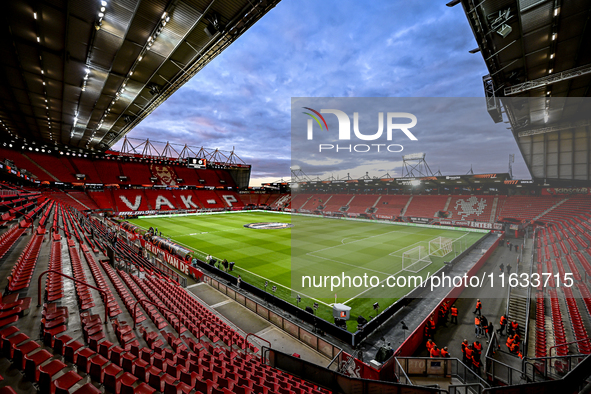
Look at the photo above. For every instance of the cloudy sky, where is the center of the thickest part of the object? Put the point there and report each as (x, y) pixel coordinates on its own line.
(334, 48)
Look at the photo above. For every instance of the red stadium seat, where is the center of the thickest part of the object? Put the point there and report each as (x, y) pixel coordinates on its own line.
(47, 372)
(65, 382)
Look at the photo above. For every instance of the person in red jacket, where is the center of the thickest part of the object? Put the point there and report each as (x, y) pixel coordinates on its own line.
(430, 345)
(514, 327)
(476, 364)
(435, 352)
(510, 341)
(503, 323)
(454, 314)
(477, 346)
(469, 355)
(464, 347)
(427, 332)
(514, 348)
(445, 353)
(432, 325)
(478, 308)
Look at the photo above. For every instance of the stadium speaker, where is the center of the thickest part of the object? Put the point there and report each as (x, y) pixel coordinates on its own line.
(309, 309)
(504, 30)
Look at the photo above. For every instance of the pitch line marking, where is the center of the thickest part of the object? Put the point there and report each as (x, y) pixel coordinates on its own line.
(396, 274)
(279, 284)
(363, 239)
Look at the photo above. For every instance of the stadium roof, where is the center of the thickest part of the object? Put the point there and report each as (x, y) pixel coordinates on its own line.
(537, 51)
(83, 73)
(525, 41)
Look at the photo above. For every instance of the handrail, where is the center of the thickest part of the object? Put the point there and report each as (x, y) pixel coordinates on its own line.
(534, 370)
(103, 292)
(408, 381)
(256, 336)
(134, 308)
(531, 361)
(454, 386)
(453, 359)
(510, 368)
(334, 358)
(529, 293)
(491, 348)
(566, 343)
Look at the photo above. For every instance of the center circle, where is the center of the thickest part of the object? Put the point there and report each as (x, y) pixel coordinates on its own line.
(268, 225)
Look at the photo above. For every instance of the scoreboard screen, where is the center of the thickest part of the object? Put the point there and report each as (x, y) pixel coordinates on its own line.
(195, 162)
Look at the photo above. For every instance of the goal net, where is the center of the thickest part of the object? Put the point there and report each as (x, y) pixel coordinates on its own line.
(416, 259)
(440, 246)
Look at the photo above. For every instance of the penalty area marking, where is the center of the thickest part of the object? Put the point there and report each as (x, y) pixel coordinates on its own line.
(396, 274)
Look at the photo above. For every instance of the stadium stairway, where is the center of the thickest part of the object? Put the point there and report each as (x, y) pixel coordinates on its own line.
(41, 168)
(559, 203)
(517, 299)
(403, 213)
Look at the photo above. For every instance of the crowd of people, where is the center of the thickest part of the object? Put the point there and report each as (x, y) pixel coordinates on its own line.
(472, 352)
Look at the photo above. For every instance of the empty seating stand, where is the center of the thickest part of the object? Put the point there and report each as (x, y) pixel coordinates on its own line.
(361, 203)
(425, 206)
(22, 272)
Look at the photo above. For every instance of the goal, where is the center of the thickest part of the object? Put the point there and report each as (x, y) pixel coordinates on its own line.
(416, 259)
(440, 246)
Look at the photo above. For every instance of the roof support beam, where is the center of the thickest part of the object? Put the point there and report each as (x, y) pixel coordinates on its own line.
(551, 129)
(553, 78)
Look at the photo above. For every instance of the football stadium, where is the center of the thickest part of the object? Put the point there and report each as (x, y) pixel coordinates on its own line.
(134, 258)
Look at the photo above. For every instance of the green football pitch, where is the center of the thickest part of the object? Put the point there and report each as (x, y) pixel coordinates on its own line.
(317, 247)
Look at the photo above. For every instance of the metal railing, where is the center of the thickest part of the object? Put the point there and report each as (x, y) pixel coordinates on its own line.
(336, 358)
(466, 389)
(499, 371)
(401, 373)
(447, 367)
(528, 305)
(102, 292)
(551, 367)
(493, 345)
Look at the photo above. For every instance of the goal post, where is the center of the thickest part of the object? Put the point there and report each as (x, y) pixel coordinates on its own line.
(440, 246)
(416, 259)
